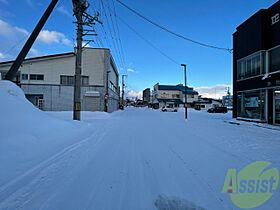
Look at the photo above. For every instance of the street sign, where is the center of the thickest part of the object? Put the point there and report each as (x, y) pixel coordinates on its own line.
(106, 97)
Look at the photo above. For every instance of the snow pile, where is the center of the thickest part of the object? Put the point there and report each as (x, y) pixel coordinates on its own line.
(28, 135)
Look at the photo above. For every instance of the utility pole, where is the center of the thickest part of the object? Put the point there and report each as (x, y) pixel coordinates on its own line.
(80, 7)
(123, 87)
(186, 102)
(106, 98)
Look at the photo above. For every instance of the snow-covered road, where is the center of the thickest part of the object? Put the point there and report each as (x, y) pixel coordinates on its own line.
(143, 159)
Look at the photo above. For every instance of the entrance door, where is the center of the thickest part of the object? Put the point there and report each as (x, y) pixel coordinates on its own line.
(277, 107)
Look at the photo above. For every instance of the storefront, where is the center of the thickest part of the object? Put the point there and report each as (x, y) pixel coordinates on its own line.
(256, 67)
(252, 104)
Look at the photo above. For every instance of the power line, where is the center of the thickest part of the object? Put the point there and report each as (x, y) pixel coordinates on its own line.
(150, 43)
(171, 32)
(17, 44)
(111, 33)
(115, 34)
(118, 33)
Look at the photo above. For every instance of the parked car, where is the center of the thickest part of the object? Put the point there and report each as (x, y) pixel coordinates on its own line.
(121, 107)
(169, 109)
(218, 110)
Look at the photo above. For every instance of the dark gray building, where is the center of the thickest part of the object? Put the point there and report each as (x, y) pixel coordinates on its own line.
(256, 67)
(147, 95)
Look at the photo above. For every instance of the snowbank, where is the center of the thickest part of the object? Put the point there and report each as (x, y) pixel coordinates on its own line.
(28, 135)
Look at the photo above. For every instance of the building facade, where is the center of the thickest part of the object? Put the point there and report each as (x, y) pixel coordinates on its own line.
(256, 67)
(227, 100)
(48, 81)
(207, 103)
(147, 95)
(173, 94)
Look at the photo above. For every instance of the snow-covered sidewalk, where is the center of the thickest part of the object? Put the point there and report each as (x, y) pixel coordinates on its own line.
(128, 160)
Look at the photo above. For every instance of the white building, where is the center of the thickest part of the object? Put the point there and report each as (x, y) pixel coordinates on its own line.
(207, 103)
(173, 94)
(48, 81)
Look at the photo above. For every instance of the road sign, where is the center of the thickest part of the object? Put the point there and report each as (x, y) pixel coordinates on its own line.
(106, 97)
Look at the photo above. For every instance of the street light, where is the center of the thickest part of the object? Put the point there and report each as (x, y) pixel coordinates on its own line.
(186, 105)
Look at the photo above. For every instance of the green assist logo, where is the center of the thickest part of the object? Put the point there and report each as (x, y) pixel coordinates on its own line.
(252, 186)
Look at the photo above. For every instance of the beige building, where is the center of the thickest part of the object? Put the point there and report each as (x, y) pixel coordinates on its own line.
(174, 95)
(48, 81)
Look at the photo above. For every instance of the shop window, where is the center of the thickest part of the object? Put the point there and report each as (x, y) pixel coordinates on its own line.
(251, 105)
(274, 60)
(277, 106)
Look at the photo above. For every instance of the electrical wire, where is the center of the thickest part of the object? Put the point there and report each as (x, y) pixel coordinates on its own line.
(118, 33)
(110, 32)
(150, 43)
(174, 33)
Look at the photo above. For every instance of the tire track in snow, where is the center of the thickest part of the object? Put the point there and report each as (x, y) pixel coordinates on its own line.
(200, 179)
(12, 192)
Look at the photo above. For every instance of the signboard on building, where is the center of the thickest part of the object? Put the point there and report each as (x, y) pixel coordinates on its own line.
(275, 19)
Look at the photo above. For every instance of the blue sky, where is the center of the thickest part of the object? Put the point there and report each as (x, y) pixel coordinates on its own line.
(212, 22)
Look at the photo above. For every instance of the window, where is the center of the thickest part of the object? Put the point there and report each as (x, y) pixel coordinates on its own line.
(164, 95)
(24, 76)
(274, 60)
(250, 66)
(3, 75)
(175, 96)
(69, 80)
(112, 87)
(36, 77)
(85, 80)
(66, 80)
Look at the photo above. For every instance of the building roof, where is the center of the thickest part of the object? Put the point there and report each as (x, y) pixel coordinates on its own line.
(50, 56)
(190, 91)
(42, 57)
(259, 12)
